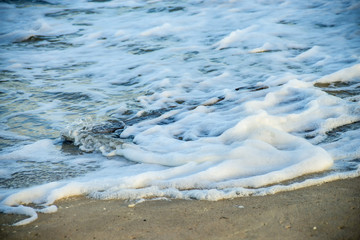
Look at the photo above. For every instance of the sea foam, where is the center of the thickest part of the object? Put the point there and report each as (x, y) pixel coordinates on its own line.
(203, 100)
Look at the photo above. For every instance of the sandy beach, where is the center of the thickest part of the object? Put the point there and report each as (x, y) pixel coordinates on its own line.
(328, 211)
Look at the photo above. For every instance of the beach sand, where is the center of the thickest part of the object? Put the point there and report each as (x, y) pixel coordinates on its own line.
(328, 211)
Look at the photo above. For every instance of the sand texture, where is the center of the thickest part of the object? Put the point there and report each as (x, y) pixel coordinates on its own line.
(328, 211)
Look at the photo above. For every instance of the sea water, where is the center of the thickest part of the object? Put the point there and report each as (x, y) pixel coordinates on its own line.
(193, 99)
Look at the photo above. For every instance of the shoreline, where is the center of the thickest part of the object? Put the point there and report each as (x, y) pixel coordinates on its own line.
(327, 211)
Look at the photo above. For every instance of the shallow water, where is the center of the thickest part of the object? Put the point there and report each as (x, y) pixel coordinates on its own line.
(179, 99)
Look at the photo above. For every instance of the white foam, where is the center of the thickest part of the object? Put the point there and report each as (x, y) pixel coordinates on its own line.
(41, 149)
(265, 48)
(344, 75)
(236, 37)
(309, 54)
(162, 30)
(345, 147)
(213, 107)
(21, 210)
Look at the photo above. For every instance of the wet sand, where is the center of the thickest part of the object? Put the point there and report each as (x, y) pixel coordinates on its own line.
(328, 211)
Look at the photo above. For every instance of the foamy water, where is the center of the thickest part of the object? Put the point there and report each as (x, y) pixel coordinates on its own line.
(178, 99)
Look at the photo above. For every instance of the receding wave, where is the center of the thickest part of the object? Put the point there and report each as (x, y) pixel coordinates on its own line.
(139, 100)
